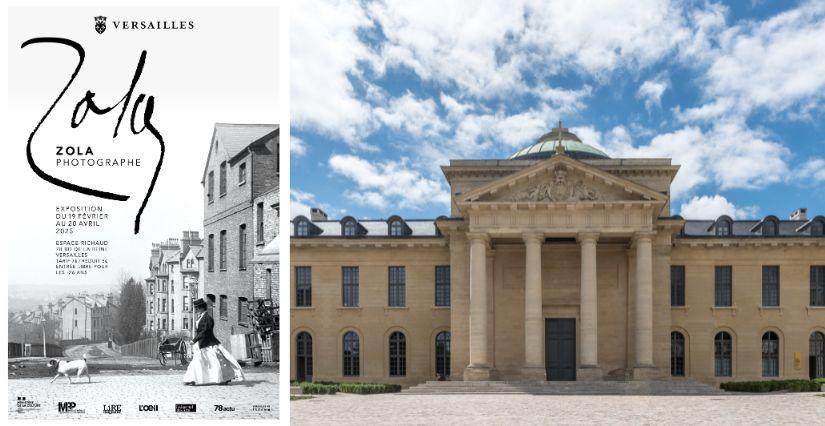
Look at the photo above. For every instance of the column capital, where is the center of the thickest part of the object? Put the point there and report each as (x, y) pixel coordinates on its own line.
(643, 235)
(474, 237)
(533, 237)
(583, 237)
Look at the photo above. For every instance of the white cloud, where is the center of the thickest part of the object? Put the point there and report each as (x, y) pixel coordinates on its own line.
(300, 202)
(297, 146)
(651, 92)
(812, 170)
(389, 183)
(325, 52)
(713, 206)
(418, 117)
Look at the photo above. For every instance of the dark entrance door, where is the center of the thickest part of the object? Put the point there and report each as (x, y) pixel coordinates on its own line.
(560, 348)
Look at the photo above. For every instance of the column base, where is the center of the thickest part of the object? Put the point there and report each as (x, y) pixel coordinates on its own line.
(479, 373)
(646, 372)
(533, 373)
(589, 373)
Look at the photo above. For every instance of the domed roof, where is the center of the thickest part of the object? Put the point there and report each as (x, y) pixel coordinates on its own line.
(545, 147)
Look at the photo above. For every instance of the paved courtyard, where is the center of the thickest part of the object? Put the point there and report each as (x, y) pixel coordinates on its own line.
(344, 409)
(163, 389)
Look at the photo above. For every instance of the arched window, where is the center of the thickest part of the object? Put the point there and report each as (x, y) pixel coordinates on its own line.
(769, 228)
(303, 355)
(349, 228)
(770, 354)
(677, 354)
(723, 358)
(817, 355)
(723, 228)
(398, 354)
(818, 228)
(352, 357)
(442, 355)
(396, 229)
(302, 228)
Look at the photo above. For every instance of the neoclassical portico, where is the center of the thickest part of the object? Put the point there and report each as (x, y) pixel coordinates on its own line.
(561, 201)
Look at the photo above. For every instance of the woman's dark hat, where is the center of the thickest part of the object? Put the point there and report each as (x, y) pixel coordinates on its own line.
(200, 303)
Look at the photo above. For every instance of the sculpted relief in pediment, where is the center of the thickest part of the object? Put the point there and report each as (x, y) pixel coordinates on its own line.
(563, 185)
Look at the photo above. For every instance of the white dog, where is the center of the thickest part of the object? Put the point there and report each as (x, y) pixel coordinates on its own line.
(68, 367)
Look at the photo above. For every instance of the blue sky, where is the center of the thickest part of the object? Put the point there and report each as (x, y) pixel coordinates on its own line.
(383, 93)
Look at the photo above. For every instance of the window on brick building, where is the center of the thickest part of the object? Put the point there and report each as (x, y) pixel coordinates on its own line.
(260, 217)
(303, 286)
(268, 283)
(442, 285)
(242, 310)
(210, 187)
(223, 308)
(350, 286)
(222, 253)
(222, 179)
(770, 286)
(211, 253)
(397, 284)
(241, 173)
(242, 247)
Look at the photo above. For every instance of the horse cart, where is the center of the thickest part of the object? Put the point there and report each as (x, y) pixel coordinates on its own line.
(175, 349)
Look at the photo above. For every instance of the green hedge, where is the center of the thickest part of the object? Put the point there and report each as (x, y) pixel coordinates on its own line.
(772, 385)
(329, 388)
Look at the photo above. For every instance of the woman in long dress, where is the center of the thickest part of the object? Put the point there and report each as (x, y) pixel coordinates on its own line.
(211, 363)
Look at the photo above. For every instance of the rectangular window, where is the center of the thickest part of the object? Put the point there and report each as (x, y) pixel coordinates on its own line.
(724, 286)
(164, 324)
(260, 217)
(242, 311)
(210, 187)
(222, 254)
(303, 286)
(677, 285)
(222, 308)
(211, 249)
(185, 304)
(817, 285)
(397, 284)
(350, 286)
(442, 286)
(242, 248)
(242, 174)
(173, 323)
(185, 323)
(770, 286)
(222, 179)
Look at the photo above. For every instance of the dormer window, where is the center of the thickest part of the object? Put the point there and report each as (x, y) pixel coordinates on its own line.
(396, 228)
(723, 228)
(350, 228)
(818, 228)
(302, 228)
(769, 228)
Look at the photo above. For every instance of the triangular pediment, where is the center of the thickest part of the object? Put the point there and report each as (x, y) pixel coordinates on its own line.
(561, 179)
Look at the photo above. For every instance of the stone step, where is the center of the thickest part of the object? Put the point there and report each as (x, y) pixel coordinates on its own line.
(611, 387)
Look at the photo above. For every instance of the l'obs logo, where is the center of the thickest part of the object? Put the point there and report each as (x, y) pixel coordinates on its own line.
(148, 407)
(100, 24)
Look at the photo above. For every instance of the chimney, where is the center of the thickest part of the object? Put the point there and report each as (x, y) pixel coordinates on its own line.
(800, 214)
(316, 214)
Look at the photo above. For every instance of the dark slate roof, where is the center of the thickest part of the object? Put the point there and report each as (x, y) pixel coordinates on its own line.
(374, 228)
(744, 229)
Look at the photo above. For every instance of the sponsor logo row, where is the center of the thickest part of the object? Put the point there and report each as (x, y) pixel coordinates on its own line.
(69, 407)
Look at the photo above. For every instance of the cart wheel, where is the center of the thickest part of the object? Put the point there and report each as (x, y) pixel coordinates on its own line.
(162, 358)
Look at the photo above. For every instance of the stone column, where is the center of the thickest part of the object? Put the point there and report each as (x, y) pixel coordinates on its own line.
(479, 368)
(533, 314)
(643, 295)
(588, 310)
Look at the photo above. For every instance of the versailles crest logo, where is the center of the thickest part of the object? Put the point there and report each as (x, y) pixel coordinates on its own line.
(100, 24)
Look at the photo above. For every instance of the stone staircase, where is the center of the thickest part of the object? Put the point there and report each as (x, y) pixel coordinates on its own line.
(604, 387)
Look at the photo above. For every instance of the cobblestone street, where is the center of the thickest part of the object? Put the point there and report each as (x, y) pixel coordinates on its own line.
(163, 389)
(344, 409)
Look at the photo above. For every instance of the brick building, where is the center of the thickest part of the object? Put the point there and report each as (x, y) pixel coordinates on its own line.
(241, 206)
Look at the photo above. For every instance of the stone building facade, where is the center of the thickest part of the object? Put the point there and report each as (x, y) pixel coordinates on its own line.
(558, 263)
(88, 317)
(241, 174)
